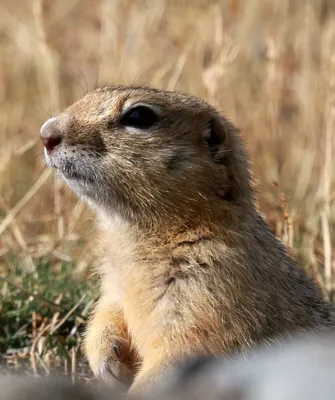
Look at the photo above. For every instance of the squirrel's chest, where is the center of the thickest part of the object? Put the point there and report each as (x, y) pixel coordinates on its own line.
(139, 282)
(146, 300)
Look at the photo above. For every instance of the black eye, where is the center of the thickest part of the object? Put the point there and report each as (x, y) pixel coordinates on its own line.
(140, 117)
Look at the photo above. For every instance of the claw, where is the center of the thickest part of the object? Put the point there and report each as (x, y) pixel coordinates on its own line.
(117, 368)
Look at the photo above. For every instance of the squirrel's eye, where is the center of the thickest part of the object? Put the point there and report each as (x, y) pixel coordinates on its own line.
(140, 117)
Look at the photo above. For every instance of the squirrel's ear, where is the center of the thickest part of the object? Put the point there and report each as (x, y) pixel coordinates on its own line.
(214, 137)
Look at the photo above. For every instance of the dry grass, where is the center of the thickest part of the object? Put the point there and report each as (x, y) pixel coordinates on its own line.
(268, 65)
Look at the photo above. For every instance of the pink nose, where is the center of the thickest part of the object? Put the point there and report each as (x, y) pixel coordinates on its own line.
(50, 134)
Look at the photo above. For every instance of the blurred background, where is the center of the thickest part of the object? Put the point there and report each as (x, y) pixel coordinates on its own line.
(269, 66)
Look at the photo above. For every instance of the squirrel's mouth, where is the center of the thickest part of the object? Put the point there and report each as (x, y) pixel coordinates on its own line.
(74, 175)
(71, 168)
(81, 174)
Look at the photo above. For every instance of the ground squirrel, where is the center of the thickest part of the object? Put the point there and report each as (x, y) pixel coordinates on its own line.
(190, 267)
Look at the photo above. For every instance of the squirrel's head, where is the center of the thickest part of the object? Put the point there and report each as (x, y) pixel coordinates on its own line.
(148, 154)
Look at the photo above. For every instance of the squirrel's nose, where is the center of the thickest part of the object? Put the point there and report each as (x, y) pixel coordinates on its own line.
(50, 134)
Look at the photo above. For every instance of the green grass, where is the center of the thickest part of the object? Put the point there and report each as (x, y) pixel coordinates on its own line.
(42, 319)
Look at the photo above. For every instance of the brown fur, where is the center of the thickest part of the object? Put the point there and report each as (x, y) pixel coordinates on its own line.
(190, 267)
